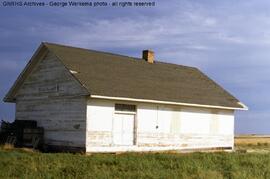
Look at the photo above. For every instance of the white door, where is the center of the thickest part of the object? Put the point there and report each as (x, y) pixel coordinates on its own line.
(123, 129)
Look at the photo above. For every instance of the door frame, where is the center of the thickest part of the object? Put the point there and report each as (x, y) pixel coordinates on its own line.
(134, 127)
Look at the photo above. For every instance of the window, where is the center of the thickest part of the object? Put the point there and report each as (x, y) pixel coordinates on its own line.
(125, 107)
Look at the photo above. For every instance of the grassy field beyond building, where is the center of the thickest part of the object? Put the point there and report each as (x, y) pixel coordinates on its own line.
(252, 143)
(252, 140)
(17, 163)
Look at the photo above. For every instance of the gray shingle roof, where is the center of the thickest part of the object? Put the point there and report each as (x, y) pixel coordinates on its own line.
(107, 74)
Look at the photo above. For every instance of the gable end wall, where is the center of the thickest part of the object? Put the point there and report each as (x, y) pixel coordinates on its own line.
(51, 96)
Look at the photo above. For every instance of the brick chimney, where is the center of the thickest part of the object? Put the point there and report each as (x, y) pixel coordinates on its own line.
(148, 56)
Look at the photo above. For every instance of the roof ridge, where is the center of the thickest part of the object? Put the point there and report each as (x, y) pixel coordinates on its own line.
(114, 54)
(96, 51)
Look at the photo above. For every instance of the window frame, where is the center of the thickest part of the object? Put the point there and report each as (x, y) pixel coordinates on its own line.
(117, 111)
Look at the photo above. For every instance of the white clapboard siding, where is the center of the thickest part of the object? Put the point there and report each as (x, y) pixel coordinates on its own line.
(159, 127)
(51, 96)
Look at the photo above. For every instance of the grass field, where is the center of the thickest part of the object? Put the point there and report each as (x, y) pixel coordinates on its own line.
(253, 143)
(18, 163)
(252, 139)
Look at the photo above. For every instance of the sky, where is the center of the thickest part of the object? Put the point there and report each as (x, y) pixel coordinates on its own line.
(228, 40)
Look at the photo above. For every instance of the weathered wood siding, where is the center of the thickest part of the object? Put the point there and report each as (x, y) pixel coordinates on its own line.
(51, 96)
(160, 127)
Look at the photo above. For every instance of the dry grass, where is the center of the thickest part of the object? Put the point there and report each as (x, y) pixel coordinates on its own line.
(252, 140)
(9, 147)
(252, 143)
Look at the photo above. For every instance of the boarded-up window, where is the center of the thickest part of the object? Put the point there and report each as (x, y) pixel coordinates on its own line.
(176, 122)
(125, 107)
(195, 121)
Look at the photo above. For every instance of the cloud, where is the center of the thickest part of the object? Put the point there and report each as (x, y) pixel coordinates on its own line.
(9, 65)
(228, 40)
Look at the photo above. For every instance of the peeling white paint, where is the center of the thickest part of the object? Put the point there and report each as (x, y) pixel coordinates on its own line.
(195, 128)
(58, 107)
(51, 96)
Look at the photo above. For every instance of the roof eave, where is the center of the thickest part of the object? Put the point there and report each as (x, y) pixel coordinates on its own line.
(10, 96)
(9, 100)
(244, 106)
(170, 102)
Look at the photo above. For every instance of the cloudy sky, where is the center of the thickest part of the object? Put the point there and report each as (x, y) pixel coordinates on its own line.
(228, 40)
